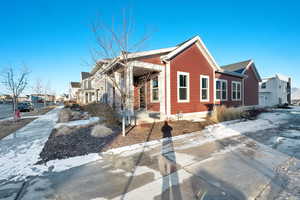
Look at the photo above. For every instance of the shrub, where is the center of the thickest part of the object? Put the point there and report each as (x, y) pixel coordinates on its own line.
(222, 113)
(65, 115)
(101, 131)
(102, 110)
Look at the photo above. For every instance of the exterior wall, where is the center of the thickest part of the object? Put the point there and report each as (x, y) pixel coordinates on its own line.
(192, 61)
(230, 102)
(251, 88)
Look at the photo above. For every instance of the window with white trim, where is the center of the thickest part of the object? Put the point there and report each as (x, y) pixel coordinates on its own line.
(236, 91)
(221, 90)
(204, 88)
(154, 90)
(183, 90)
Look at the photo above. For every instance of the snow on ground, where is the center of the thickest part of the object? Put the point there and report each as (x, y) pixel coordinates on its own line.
(64, 164)
(212, 132)
(20, 151)
(85, 122)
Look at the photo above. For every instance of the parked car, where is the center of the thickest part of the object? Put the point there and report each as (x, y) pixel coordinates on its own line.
(25, 107)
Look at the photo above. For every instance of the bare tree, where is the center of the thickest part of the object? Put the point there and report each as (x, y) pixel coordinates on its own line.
(115, 43)
(15, 81)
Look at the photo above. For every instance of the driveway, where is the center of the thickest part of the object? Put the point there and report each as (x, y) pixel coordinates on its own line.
(233, 160)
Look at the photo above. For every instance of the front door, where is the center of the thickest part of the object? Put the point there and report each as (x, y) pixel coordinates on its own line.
(142, 97)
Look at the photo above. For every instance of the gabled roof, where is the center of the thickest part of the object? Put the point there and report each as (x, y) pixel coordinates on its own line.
(75, 84)
(85, 75)
(238, 67)
(182, 46)
(241, 68)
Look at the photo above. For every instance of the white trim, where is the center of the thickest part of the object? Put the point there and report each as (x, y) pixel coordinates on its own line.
(150, 52)
(168, 88)
(237, 83)
(203, 48)
(187, 87)
(208, 95)
(162, 94)
(151, 90)
(146, 65)
(255, 70)
(221, 89)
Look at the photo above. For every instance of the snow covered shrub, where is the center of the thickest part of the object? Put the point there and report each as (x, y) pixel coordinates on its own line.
(222, 113)
(65, 115)
(101, 131)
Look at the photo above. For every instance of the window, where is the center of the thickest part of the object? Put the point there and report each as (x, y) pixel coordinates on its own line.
(183, 90)
(236, 90)
(221, 90)
(154, 90)
(263, 85)
(204, 88)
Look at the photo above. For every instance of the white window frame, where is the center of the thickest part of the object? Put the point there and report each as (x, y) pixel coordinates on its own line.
(187, 86)
(151, 90)
(208, 97)
(237, 83)
(221, 80)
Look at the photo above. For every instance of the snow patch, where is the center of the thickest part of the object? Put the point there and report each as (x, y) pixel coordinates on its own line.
(85, 122)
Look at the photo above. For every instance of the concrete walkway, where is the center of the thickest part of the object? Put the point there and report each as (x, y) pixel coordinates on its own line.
(20, 150)
(236, 167)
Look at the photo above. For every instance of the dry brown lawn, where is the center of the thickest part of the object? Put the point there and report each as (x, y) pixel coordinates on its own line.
(9, 126)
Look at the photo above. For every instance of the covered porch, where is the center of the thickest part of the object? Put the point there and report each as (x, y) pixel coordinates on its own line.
(146, 90)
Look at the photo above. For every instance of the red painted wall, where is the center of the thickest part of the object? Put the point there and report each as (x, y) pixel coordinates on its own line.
(230, 102)
(191, 60)
(251, 88)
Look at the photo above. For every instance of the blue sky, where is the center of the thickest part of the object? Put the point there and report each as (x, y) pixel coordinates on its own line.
(54, 37)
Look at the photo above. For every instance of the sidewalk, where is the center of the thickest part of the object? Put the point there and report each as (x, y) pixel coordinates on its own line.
(194, 167)
(20, 150)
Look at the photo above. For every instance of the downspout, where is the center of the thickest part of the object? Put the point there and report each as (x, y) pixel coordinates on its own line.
(243, 101)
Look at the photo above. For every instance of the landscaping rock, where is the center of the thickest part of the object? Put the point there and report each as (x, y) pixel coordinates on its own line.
(76, 115)
(63, 130)
(101, 131)
(65, 115)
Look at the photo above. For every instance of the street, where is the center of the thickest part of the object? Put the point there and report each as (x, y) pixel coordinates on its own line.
(231, 160)
(6, 110)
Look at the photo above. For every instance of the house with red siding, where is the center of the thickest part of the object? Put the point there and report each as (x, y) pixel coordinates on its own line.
(184, 80)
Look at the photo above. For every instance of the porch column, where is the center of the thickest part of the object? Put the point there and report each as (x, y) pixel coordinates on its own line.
(162, 92)
(129, 89)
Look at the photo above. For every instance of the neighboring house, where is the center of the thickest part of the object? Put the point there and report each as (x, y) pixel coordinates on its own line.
(250, 81)
(35, 98)
(275, 90)
(6, 98)
(74, 91)
(183, 79)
